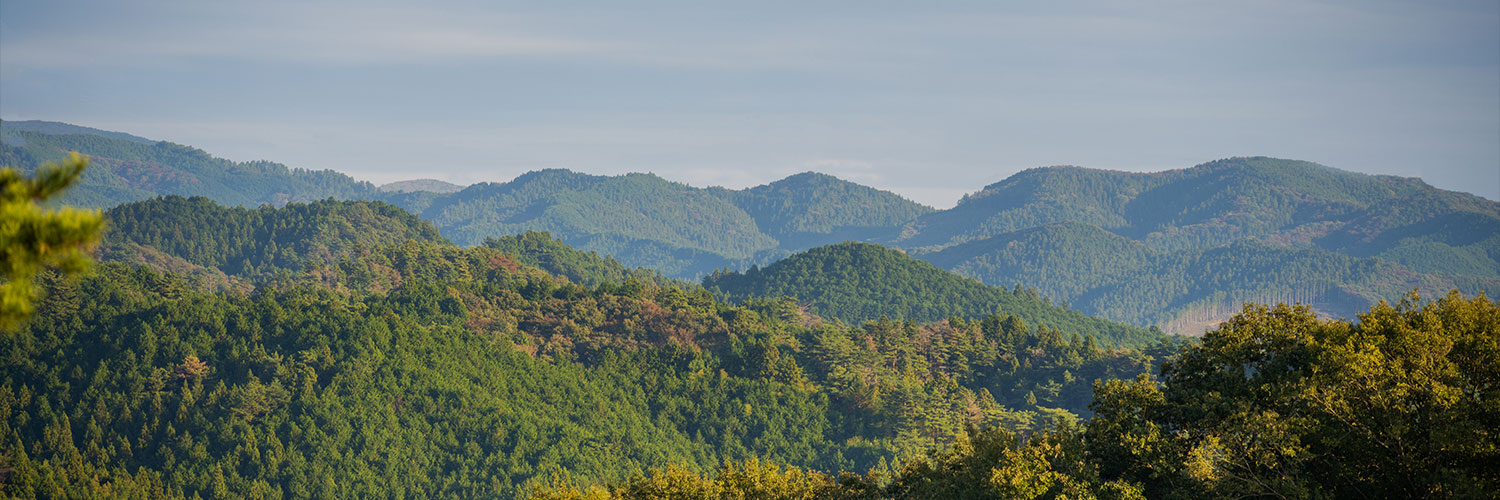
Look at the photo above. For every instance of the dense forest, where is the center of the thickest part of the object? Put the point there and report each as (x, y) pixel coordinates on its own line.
(1183, 291)
(542, 251)
(345, 349)
(1054, 229)
(1180, 249)
(858, 282)
(249, 243)
(1274, 403)
(641, 219)
(1207, 205)
(811, 209)
(421, 369)
(646, 221)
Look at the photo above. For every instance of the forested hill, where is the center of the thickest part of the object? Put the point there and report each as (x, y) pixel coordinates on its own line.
(858, 282)
(1182, 249)
(640, 219)
(427, 370)
(541, 250)
(683, 231)
(1212, 204)
(1185, 291)
(250, 243)
(126, 168)
(811, 209)
(1273, 404)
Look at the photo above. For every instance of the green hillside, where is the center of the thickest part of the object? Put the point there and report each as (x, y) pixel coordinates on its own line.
(249, 243)
(858, 282)
(542, 251)
(812, 209)
(646, 221)
(640, 219)
(1181, 249)
(124, 170)
(1274, 404)
(343, 349)
(362, 368)
(1207, 206)
(1184, 292)
(1060, 260)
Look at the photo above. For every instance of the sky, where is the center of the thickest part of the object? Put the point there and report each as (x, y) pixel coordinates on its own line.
(929, 102)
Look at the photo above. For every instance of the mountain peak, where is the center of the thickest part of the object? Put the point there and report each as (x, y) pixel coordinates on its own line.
(857, 282)
(429, 185)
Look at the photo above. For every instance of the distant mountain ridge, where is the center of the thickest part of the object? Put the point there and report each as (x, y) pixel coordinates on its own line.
(429, 185)
(640, 219)
(126, 168)
(1171, 248)
(60, 128)
(683, 231)
(1177, 248)
(1203, 206)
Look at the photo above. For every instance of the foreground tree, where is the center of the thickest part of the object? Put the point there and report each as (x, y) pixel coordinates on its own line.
(1278, 404)
(33, 238)
(1275, 403)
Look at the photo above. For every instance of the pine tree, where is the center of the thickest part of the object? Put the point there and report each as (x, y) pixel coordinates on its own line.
(33, 238)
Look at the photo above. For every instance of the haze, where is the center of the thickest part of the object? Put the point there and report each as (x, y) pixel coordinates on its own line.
(930, 103)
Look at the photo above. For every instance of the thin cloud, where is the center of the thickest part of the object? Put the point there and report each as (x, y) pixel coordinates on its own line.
(288, 45)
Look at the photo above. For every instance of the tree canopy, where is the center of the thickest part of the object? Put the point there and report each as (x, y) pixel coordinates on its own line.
(33, 238)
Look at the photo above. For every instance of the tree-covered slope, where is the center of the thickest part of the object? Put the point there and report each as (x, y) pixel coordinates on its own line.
(542, 251)
(1178, 249)
(1273, 404)
(857, 282)
(609, 214)
(811, 209)
(1431, 232)
(429, 370)
(126, 169)
(247, 242)
(1185, 291)
(1060, 260)
(682, 231)
(1028, 199)
(1211, 205)
(639, 219)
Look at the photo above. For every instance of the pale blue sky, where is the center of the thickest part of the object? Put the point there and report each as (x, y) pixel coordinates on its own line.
(928, 102)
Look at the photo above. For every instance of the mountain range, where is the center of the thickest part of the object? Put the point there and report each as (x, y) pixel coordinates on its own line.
(1178, 249)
